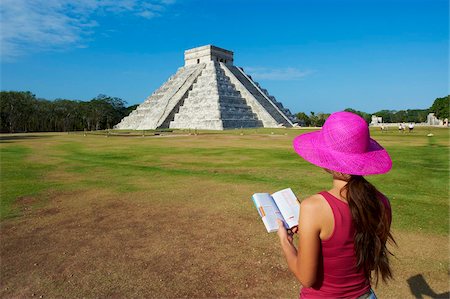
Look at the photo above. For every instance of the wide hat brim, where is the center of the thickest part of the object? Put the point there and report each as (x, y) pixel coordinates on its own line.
(375, 160)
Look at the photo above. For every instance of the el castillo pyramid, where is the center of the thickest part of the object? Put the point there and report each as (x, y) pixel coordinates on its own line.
(210, 93)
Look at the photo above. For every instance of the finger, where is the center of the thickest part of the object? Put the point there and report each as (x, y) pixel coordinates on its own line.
(280, 223)
(280, 229)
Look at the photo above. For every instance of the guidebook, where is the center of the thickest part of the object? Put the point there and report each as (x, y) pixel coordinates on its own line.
(281, 205)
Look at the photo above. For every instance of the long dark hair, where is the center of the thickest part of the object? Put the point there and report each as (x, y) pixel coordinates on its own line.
(372, 228)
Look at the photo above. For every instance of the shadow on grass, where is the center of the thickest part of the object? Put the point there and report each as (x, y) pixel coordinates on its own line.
(420, 288)
(8, 138)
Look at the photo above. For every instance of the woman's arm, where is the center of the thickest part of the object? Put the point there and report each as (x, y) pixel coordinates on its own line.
(304, 262)
(289, 250)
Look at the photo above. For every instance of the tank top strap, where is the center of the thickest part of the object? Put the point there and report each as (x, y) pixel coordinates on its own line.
(338, 207)
(332, 200)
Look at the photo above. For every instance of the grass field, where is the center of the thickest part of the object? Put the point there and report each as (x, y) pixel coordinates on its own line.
(171, 215)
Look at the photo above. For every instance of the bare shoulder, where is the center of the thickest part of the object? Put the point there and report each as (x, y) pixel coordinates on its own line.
(313, 203)
(317, 214)
(311, 214)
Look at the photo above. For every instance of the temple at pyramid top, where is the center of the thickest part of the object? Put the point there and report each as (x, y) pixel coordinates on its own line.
(207, 53)
(210, 93)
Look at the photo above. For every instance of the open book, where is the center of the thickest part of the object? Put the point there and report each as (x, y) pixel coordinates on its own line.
(282, 205)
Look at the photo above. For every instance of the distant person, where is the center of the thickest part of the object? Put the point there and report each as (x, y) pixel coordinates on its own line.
(411, 127)
(400, 128)
(343, 231)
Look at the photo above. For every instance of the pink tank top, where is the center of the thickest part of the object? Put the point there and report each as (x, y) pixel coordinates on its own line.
(337, 274)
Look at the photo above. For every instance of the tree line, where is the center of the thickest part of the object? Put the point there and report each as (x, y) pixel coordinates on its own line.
(23, 112)
(440, 108)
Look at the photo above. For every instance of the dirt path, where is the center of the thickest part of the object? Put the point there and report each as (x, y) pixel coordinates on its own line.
(96, 244)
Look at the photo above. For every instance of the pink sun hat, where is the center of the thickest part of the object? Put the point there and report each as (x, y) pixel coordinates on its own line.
(344, 145)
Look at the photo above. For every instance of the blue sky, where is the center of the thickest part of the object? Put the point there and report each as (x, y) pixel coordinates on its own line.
(315, 55)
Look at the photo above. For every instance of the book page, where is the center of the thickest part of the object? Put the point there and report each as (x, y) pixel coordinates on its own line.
(268, 210)
(288, 205)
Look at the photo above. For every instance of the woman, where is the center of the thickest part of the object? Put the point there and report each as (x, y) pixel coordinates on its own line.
(342, 231)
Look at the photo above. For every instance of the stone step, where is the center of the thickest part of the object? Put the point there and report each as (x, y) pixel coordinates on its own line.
(208, 92)
(237, 123)
(212, 97)
(154, 107)
(222, 101)
(215, 109)
(259, 97)
(203, 93)
(186, 123)
(187, 118)
(231, 98)
(207, 124)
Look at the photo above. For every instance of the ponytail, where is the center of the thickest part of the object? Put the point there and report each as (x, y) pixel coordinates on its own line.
(372, 228)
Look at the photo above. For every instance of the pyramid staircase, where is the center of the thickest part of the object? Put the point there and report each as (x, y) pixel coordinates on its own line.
(210, 93)
(213, 103)
(156, 108)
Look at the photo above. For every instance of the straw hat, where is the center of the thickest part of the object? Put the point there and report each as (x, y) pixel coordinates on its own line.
(344, 145)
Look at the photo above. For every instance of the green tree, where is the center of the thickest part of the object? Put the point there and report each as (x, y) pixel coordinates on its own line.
(416, 115)
(16, 110)
(440, 107)
(317, 120)
(367, 117)
(321, 118)
(303, 119)
(106, 111)
(314, 120)
(410, 115)
(22, 112)
(386, 115)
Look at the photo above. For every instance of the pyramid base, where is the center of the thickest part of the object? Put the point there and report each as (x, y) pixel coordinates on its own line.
(217, 124)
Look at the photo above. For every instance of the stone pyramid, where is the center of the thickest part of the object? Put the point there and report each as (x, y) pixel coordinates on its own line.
(210, 93)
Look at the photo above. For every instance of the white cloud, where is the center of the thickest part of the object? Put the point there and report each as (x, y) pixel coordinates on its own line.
(167, 1)
(153, 7)
(39, 25)
(148, 14)
(281, 74)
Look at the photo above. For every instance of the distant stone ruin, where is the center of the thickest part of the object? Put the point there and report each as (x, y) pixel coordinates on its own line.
(376, 120)
(432, 120)
(210, 93)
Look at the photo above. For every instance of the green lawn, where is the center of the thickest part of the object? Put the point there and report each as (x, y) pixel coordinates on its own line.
(417, 184)
(171, 216)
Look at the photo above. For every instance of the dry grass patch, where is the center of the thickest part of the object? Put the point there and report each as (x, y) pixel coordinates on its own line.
(418, 255)
(201, 239)
(95, 243)
(172, 217)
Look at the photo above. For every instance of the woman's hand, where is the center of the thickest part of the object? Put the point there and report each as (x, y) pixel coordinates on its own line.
(284, 234)
(289, 250)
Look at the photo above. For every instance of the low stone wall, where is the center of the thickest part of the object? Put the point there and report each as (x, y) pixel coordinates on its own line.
(406, 125)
